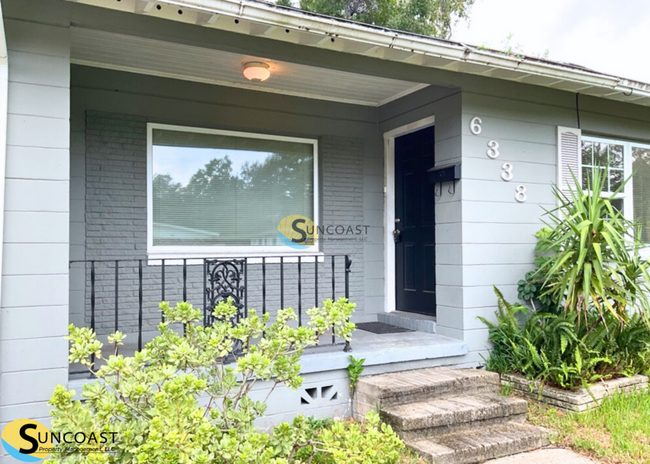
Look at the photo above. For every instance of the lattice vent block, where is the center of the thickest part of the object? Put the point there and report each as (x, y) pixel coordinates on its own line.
(318, 396)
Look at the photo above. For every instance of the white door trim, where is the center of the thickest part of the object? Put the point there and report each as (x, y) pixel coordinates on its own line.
(389, 205)
(4, 93)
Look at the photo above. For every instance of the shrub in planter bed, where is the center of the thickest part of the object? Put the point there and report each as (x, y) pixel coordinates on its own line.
(588, 297)
(185, 397)
(556, 349)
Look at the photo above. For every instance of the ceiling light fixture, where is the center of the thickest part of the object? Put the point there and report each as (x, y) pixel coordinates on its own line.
(256, 71)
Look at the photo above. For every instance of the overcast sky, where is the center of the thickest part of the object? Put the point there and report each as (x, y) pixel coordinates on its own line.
(611, 36)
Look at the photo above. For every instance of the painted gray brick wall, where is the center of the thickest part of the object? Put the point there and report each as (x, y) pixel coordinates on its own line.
(115, 211)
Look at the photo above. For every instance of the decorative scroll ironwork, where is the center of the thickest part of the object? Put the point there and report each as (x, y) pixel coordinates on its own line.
(224, 279)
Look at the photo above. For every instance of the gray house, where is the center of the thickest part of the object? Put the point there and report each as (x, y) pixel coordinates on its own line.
(191, 149)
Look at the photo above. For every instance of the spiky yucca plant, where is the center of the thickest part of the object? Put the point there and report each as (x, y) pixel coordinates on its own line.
(592, 254)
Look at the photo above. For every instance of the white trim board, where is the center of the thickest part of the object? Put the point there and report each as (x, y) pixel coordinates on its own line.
(389, 204)
(4, 92)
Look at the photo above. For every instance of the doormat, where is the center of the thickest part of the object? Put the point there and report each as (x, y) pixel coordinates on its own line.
(381, 328)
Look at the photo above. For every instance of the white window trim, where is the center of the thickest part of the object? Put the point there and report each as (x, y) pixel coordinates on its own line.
(179, 251)
(628, 194)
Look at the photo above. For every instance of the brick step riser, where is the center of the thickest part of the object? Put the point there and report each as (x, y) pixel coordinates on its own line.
(453, 410)
(410, 386)
(486, 452)
(436, 392)
(433, 432)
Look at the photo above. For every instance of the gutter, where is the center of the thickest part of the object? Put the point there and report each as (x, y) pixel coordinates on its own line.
(4, 84)
(270, 14)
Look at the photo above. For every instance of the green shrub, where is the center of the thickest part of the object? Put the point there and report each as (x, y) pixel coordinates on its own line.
(355, 369)
(555, 349)
(186, 398)
(320, 441)
(589, 299)
(532, 288)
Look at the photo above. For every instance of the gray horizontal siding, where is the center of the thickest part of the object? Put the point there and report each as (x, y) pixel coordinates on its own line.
(498, 233)
(34, 312)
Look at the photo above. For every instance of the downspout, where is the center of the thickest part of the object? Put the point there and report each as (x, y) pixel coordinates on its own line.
(4, 94)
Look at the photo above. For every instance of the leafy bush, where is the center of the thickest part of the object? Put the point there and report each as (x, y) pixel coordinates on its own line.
(339, 442)
(532, 288)
(589, 318)
(186, 398)
(355, 369)
(555, 349)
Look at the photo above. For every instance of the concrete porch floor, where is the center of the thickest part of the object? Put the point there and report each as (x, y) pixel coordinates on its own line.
(382, 352)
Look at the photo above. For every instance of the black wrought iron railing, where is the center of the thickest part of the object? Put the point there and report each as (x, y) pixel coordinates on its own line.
(123, 294)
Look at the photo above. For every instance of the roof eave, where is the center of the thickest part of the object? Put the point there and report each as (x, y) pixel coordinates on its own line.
(409, 45)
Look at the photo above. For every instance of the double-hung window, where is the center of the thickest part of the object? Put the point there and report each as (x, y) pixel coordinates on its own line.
(621, 159)
(610, 157)
(216, 193)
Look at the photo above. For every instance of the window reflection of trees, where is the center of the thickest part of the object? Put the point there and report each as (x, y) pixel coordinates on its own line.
(241, 208)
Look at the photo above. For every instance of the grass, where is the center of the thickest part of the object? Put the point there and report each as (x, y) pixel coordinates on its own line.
(616, 433)
(506, 389)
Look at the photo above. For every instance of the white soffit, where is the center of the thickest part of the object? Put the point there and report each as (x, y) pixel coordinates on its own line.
(264, 19)
(178, 61)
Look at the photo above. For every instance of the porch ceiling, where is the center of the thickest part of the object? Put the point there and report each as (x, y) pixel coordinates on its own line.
(264, 18)
(156, 57)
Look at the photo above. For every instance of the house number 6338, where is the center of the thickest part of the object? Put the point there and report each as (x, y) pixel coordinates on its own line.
(475, 127)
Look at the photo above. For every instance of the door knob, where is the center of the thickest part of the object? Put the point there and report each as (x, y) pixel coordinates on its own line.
(396, 235)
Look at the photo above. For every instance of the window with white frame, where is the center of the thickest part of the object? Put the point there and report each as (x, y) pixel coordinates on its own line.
(215, 192)
(621, 159)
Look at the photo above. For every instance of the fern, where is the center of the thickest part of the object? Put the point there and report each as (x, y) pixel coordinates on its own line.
(562, 350)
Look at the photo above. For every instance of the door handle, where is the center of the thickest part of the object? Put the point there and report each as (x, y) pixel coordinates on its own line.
(396, 235)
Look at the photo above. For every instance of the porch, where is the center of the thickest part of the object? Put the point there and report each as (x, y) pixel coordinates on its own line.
(136, 241)
(123, 294)
(171, 152)
(325, 392)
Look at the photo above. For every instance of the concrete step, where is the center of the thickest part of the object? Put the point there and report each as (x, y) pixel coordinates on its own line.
(452, 414)
(413, 321)
(379, 391)
(478, 445)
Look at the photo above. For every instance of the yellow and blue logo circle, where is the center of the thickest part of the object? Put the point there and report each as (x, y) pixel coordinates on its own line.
(20, 439)
(298, 232)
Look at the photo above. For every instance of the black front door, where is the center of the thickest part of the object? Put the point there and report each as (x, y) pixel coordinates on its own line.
(414, 235)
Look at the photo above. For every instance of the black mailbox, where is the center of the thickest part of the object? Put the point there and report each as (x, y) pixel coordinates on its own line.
(447, 173)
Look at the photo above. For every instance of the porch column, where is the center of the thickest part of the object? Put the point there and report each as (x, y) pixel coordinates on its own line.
(34, 293)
